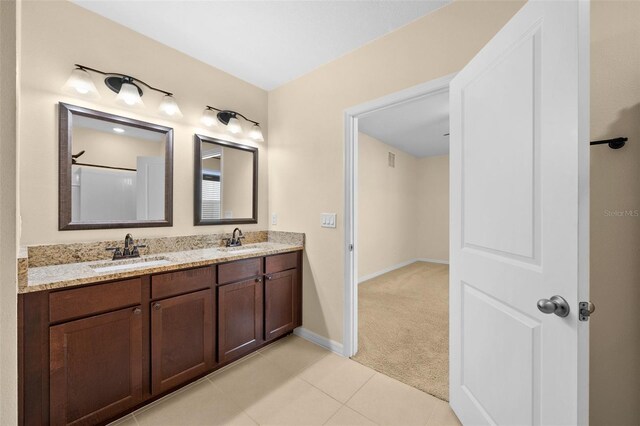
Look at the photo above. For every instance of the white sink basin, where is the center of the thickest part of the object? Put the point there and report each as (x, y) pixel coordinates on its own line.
(121, 265)
(243, 249)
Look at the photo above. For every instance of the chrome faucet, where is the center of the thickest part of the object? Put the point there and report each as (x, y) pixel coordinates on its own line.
(235, 241)
(130, 249)
(128, 240)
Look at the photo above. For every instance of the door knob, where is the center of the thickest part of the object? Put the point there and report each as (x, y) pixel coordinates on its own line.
(556, 305)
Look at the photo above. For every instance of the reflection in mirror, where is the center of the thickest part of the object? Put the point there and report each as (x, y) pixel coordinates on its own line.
(118, 171)
(226, 182)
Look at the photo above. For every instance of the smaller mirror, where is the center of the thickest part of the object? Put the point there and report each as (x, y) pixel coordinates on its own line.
(226, 182)
(115, 172)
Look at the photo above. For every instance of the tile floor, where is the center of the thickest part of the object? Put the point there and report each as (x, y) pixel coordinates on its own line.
(295, 382)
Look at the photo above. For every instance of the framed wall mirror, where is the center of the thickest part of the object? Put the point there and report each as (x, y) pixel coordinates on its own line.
(225, 182)
(114, 172)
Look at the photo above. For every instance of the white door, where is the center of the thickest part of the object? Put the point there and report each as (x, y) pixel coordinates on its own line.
(519, 221)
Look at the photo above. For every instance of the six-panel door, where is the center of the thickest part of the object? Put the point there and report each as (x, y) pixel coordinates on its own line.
(240, 318)
(281, 298)
(181, 339)
(95, 367)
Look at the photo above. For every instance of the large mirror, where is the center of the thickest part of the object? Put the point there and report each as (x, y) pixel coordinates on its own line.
(115, 172)
(226, 182)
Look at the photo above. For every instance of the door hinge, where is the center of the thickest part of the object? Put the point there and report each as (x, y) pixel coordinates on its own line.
(585, 309)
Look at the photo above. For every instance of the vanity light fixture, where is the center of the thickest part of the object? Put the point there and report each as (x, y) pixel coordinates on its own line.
(127, 87)
(230, 119)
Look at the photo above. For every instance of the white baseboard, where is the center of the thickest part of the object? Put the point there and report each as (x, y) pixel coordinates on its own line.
(385, 270)
(424, 259)
(398, 266)
(326, 343)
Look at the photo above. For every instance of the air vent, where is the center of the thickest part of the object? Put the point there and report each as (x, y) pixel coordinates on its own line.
(392, 160)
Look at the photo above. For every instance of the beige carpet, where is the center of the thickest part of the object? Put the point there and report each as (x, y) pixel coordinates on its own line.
(404, 326)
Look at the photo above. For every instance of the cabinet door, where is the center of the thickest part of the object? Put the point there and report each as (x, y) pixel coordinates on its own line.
(95, 367)
(281, 298)
(240, 312)
(181, 339)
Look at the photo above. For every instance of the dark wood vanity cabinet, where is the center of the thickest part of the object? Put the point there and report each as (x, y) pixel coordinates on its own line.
(95, 367)
(182, 327)
(240, 308)
(182, 336)
(90, 354)
(280, 299)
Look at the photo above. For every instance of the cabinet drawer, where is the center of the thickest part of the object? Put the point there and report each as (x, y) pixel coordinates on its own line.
(173, 283)
(80, 302)
(239, 270)
(281, 262)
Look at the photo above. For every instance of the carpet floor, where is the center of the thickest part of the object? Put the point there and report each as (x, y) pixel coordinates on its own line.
(403, 322)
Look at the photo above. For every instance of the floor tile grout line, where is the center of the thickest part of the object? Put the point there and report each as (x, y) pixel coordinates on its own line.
(360, 388)
(233, 401)
(356, 392)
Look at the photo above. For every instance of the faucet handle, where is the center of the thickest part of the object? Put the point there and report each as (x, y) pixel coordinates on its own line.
(116, 252)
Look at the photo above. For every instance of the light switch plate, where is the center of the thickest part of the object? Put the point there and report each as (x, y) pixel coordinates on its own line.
(274, 218)
(328, 220)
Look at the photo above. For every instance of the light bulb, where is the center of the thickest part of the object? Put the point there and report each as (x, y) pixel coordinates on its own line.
(129, 95)
(209, 118)
(256, 133)
(80, 83)
(169, 107)
(234, 126)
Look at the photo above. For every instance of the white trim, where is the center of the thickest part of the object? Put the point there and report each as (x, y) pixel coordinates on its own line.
(326, 343)
(385, 270)
(398, 266)
(351, 117)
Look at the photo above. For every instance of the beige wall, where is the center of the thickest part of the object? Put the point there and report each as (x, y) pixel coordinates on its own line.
(615, 241)
(403, 212)
(433, 208)
(387, 201)
(57, 34)
(113, 150)
(306, 133)
(8, 232)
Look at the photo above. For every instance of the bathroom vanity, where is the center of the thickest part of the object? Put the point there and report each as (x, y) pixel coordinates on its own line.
(93, 351)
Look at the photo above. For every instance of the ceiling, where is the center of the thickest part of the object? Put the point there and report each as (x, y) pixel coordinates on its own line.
(416, 127)
(266, 43)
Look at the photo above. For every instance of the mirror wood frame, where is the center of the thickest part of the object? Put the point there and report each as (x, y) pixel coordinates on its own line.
(66, 112)
(197, 184)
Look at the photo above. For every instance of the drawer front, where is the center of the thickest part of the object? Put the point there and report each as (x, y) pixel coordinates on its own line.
(180, 282)
(80, 302)
(281, 262)
(239, 270)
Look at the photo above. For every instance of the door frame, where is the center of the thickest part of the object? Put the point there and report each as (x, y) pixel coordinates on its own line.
(351, 117)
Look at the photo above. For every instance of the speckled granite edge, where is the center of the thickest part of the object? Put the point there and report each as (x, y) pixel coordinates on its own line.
(23, 267)
(60, 254)
(70, 275)
(296, 238)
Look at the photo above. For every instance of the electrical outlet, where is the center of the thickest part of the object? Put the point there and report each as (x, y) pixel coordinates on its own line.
(274, 218)
(328, 220)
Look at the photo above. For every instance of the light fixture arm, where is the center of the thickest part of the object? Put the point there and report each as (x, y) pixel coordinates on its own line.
(124, 76)
(233, 113)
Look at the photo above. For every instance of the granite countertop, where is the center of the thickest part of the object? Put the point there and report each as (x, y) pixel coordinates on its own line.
(73, 274)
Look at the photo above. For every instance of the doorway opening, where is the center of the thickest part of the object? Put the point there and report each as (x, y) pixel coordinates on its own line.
(397, 236)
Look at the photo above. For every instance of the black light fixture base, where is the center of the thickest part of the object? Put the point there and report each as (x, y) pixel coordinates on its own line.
(225, 116)
(115, 83)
